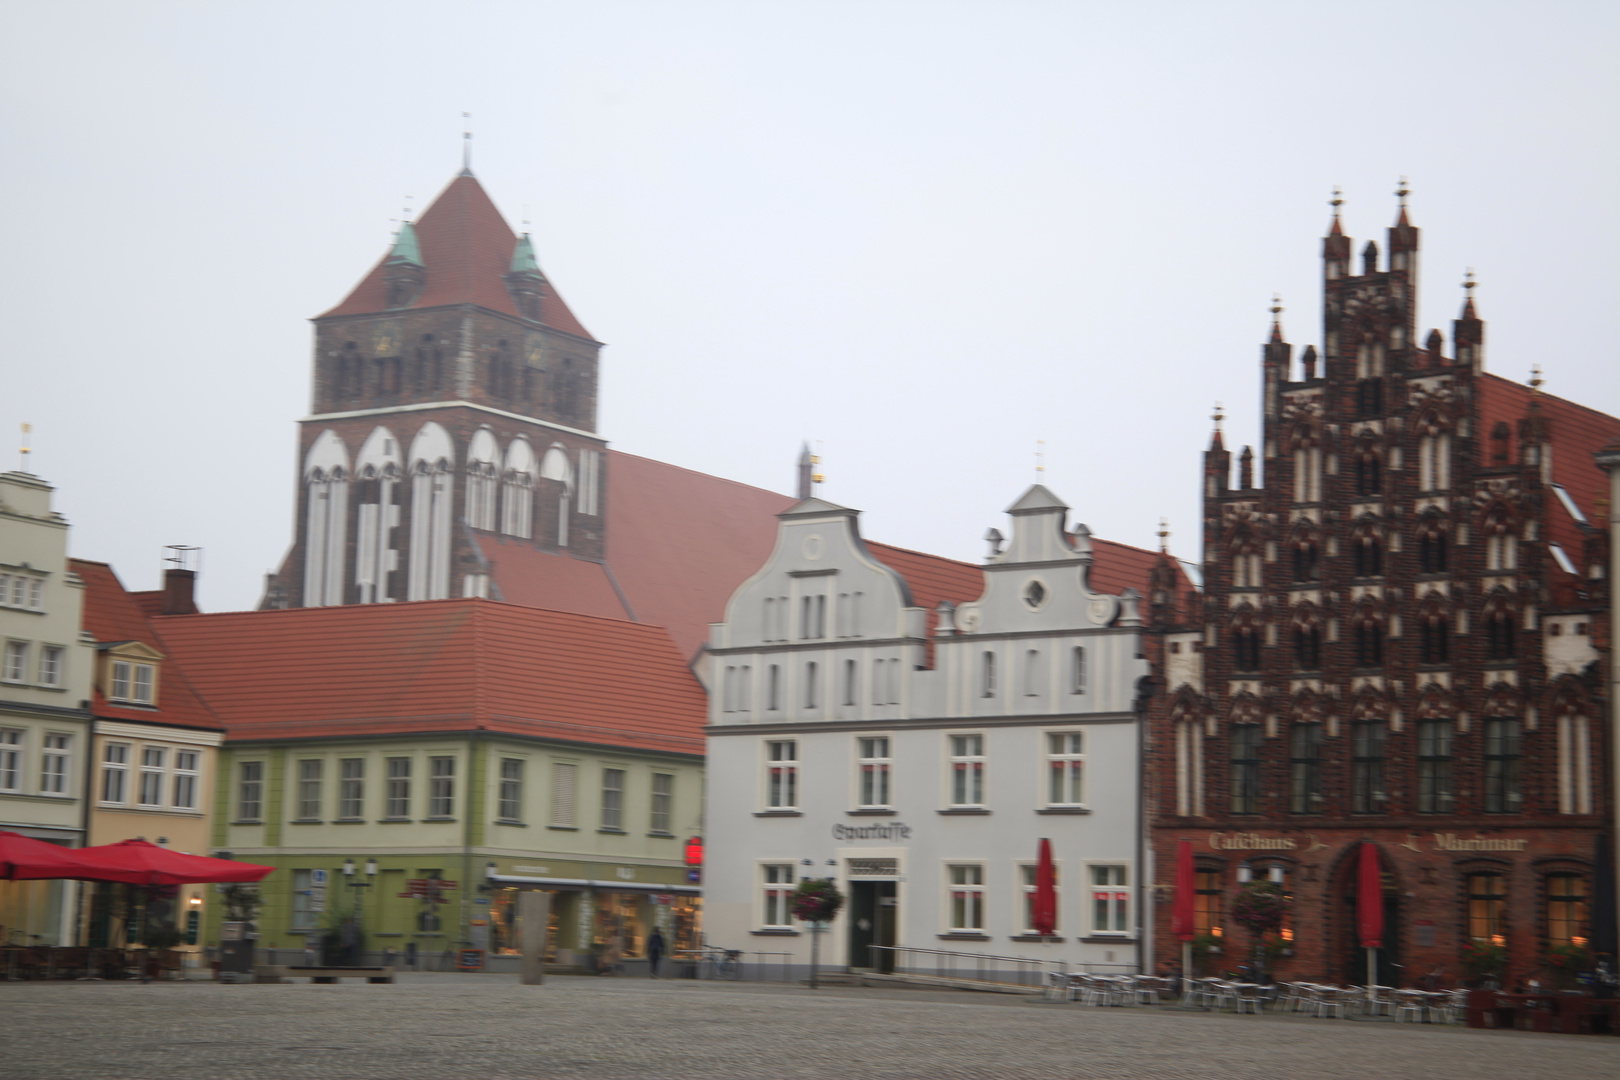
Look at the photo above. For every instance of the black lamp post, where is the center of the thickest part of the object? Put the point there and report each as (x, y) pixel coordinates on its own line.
(349, 876)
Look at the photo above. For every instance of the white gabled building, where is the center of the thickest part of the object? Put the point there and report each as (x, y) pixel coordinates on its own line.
(869, 725)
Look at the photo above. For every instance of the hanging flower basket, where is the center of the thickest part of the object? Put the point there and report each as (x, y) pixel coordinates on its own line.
(1260, 907)
(816, 901)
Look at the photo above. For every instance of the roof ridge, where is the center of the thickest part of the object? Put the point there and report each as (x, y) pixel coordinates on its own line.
(697, 472)
(1505, 381)
(923, 554)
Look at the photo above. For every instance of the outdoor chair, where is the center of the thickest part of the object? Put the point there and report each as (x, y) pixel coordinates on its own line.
(1062, 985)
(1149, 989)
(1247, 997)
(1380, 1003)
(1448, 1006)
(1412, 1006)
(1331, 1001)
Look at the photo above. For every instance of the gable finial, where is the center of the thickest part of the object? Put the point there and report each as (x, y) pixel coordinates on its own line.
(466, 147)
(1040, 459)
(1535, 379)
(24, 450)
(1164, 535)
(1402, 191)
(1220, 414)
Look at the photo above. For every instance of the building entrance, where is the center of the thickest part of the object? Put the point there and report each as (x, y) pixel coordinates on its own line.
(872, 907)
(1389, 969)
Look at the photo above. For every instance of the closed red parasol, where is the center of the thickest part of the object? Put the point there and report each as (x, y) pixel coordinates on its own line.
(1183, 916)
(1043, 906)
(138, 862)
(1370, 898)
(22, 858)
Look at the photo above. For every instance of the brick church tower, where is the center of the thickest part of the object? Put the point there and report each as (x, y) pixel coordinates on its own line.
(453, 403)
(1400, 642)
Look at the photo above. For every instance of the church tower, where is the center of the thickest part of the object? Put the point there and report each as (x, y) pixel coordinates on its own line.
(453, 410)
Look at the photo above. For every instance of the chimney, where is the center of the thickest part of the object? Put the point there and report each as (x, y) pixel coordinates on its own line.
(180, 580)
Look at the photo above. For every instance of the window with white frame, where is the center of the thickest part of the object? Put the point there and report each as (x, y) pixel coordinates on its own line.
(1110, 901)
(185, 779)
(967, 770)
(11, 764)
(309, 789)
(306, 912)
(564, 777)
(152, 761)
(966, 897)
(16, 668)
(351, 788)
(1026, 884)
(54, 769)
(1077, 670)
(511, 808)
(776, 906)
(663, 803)
(613, 799)
(782, 774)
(250, 791)
(1065, 768)
(22, 591)
(115, 773)
(441, 787)
(50, 665)
(131, 682)
(397, 803)
(874, 764)
(813, 617)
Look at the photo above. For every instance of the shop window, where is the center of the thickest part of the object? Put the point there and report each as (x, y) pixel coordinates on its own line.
(1207, 902)
(1367, 767)
(306, 905)
(874, 767)
(966, 897)
(1434, 795)
(1065, 768)
(1026, 878)
(967, 770)
(1566, 909)
(1305, 769)
(1487, 901)
(250, 791)
(1110, 902)
(1245, 769)
(1502, 794)
(782, 774)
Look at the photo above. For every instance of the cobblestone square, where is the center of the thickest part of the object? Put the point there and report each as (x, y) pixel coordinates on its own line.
(488, 1027)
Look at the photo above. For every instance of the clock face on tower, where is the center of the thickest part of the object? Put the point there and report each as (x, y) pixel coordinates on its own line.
(385, 338)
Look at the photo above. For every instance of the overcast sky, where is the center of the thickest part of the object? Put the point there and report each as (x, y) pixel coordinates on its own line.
(920, 235)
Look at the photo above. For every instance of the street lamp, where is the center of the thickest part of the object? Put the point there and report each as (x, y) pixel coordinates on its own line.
(349, 876)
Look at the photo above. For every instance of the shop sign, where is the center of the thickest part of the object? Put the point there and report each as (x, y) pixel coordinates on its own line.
(888, 830)
(1248, 841)
(1452, 842)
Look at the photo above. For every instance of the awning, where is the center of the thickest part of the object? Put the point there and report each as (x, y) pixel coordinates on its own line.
(580, 884)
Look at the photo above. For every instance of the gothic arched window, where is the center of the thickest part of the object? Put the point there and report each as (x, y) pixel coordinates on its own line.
(326, 519)
(1368, 554)
(1434, 637)
(379, 468)
(517, 489)
(1433, 555)
(432, 459)
(1369, 473)
(1499, 631)
(1307, 644)
(482, 480)
(1369, 634)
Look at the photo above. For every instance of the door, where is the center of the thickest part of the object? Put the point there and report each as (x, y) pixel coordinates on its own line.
(872, 908)
(1388, 971)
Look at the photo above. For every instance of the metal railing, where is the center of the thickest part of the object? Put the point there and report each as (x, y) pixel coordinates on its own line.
(713, 962)
(962, 968)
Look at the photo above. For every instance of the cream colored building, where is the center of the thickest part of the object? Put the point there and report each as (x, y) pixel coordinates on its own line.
(45, 676)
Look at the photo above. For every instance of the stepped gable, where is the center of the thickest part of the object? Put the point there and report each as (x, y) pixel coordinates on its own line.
(113, 614)
(466, 250)
(441, 666)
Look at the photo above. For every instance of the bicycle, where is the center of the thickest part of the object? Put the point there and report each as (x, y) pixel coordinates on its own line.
(720, 963)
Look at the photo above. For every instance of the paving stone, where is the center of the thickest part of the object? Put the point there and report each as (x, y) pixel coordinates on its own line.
(489, 1027)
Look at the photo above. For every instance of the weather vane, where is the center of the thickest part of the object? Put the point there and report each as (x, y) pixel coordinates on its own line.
(24, 450)
(1040, 458)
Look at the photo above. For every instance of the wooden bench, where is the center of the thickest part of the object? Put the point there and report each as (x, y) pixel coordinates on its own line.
(274, 973)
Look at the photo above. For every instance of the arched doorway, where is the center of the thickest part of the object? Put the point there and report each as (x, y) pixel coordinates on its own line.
(1352, 956)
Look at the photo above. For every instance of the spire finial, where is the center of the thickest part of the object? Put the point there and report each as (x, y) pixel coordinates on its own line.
(24, 450)
(1337, 201)
(1535, 379)
(1040, 459)
(1220, 414)
(1164, 535)
(1469, 283)
(466, 147)
(1402, 192)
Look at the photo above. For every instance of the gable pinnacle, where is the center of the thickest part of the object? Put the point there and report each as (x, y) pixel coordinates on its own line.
(1336, 202)
(1164, 535)
(1401, 192)
(1276, 316)
(1469, 284)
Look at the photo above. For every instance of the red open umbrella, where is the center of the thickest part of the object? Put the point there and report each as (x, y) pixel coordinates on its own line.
(22, 858)
(1370, 908)
(1043, 906)
(138, 862)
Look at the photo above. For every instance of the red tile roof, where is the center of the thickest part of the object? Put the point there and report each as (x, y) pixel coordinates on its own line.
(467, 249)
(680, 542)
(534, 578)
(113, 614)
(441, 665)
(1577, 434)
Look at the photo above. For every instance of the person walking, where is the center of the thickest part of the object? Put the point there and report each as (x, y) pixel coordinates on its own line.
(655, 950)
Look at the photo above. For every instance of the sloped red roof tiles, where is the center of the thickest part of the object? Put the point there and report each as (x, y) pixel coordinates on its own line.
(113, 614)
(441, 665)
(467, 249)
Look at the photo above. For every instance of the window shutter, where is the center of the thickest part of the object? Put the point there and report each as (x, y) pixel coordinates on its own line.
(562, 793)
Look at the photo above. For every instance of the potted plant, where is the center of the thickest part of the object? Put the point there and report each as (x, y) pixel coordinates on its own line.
(1203, 947)
(1565, 960)
(816, 901)
(1485, 961)
(1260, 907)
